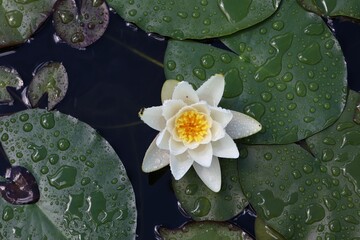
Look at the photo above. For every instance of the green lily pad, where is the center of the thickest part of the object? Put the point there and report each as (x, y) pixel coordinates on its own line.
(295, 194)
(50, 78)
(194, 19)
(333, 8)
(9, 77)
(21, 18)
(206, 230)
(203, 204)
(265, 232)
(81, 26)
(84, 190)
(288, 72)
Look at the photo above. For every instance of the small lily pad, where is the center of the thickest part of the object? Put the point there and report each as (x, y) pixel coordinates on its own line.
(84, 190)
(183, 19)
(50, 78)
(21, 18)
(333, 8)
(81, 26)
(287, 72)
(9, 77)
(206, 230)
(203, 204)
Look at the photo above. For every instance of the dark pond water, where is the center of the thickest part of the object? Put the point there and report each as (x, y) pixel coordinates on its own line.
(110, 81)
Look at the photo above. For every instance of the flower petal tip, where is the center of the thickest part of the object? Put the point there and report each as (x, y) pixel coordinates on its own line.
(168, 89)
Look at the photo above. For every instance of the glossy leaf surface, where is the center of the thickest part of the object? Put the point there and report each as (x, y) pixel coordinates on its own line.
(288, 72)
(203, 204)
(184, 19)
(296, 195)
(80, 26)
(204, 231)
(9, 77)
(50, 78)
(333, 8)
(84, 189)
(264, 232)
(21, 18)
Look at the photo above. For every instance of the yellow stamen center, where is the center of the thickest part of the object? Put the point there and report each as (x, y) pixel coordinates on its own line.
(191, 126)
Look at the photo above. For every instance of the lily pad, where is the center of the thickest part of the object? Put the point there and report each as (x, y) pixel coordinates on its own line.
(194, 19)
(9, 77)
(84, 190)
(206, 230)
(203, 204)
(287, 72)
(264, 232)
(333, 8)
(80, 26)
(21, 18)
(295, 194)
(50, 78)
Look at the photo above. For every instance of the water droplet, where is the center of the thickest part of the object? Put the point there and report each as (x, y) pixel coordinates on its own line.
(200, 73)
(234, 10)
(24, 117)
(66, 16)
(266, 96)
(272, 66)
(8, 213)
(4, 137)
(281, 87)
(133, 12)
(89, 164)
(73, 208)
(314, 29)
(207, 61)
(39, 152)
(351, 138)
(311, 55)
(335, 171)
(53, 159)
(307, 168)
(167, 19)
(314, 213)
(329, 203)
(98, 211)
(63, 178)
(329, 141)
(255, 110)
(287, 77)
(14, 18)
(44, 170)
(292, 106)
(97, 3)
(327, 155)
(335, 225)
(171, 65)
(183, 15)
(313, 86)
(270, 205)
(300, 89)
(344, 125)
(177, 34)
(225, 58)
(191, 189)
(77, 37)
(85, 181)
(27, 127)
(234, 84)
(63, 144)
(202, 207)
(278, 25)
(351, 219)
(296, 174)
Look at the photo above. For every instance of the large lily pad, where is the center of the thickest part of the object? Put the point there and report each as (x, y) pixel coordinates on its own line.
(204, 231)
(295, 194)
(203, 204)
(194, 19)
(80, 26)
(21, 18)
(84, 190)
(288, 72)
(9, 77)
(333, 8)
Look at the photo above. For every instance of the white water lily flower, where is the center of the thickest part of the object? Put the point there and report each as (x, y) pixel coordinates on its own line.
(194, 131)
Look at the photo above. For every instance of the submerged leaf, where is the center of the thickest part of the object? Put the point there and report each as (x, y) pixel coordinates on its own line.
(81, 26)
(333, 8)
(9, 77)
(204, 231)
(84, 190)
(21, 18)
(288, 73)
(203, 204)
(50, 78)
(183, 19)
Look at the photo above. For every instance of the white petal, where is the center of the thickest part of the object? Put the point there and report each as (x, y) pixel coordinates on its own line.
(184, 91)
(172, 107)
(176, 147)
(211, 176)
(212, 90)
(221, 115)
(242, 126)
(153, 117)
(162, 139)
(180, 164)
(202, 154)
(155, 158)
(202, 107)
(168, 89)
(217, 131)
(225, 148)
